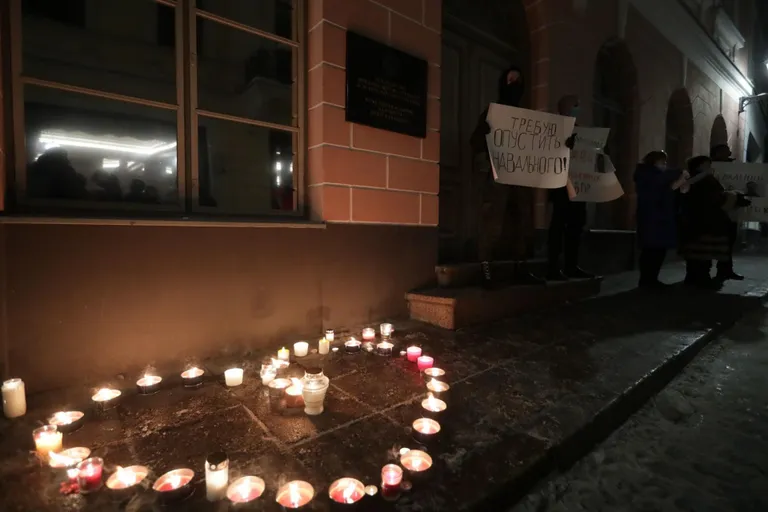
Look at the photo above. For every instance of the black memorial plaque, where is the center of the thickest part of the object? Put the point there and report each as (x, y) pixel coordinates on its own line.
(386, 88)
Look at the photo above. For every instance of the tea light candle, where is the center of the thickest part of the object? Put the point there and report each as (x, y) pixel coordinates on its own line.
(384, 348)
(386, 330)
(416, 461)
(391, 475)
(14, 398)
(267, 374)
(47, 439)
(68, 458)
(294, 394)
(233, 377)
(148, 384)
(125, 478)
(335, 349)
(284, 354)
(106, 398)
(369, 334)
(323, 346)
(425, 362)
(300, 348)
(192, 377)
(433, 405)
(425, 429)
(66, 421)
(216, 476)
(245, 489)
(352, 346)
(413, 353)
(346, 491)
(329, 334)
(433, 373)
(174, 485)
(89, 474)
(295, 494)
(439, 389)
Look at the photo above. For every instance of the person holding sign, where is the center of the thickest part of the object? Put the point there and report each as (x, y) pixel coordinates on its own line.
(656, 188)
(722, 153)
(501, 206)
(568, 218)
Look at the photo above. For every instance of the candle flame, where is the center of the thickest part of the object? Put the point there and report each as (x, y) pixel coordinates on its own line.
(432, 401)
(60, 461)
(244, 490)
(417, 462)
(349, 492)
(174, 481)
(126, 476)
(294, 495)
(62, 418)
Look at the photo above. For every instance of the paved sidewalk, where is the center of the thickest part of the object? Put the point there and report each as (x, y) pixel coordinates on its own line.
(527, 394)
(699, 446)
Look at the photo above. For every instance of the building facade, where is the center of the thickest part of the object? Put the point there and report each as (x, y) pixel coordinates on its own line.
(179, 178)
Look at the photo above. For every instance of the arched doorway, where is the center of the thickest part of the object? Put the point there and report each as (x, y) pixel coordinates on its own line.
(719, 133)
(615, 100)
(679, 133)
(480, 39)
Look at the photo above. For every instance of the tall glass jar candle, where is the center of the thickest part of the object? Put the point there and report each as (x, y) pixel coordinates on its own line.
(315, 385)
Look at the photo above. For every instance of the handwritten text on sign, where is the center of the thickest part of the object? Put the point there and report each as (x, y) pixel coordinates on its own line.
(596, 187)
(736, 175)
(527, 147)
(757, 212)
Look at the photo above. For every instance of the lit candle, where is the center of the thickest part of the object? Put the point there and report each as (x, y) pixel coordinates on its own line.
(413, 353)
(433, 373)
(233, 377)
(192, 377)
(267, 374)
(295, 494)
(66, 421)
(293, 394)
(335, 349)
(284, 354)
(216, 476)
(106, 398)
(391, 475)
(425, 429)
(346, 491)
(439, 389)
(369, 334)
(352, 346)
(14, 398)
(68, 458)
(323, 346)
(300, 348)
(416, 461)
(329, 334)
(371, 490)
(174, 485)
(386, 330)
(425, 362)
(433, 405)
(47, 439)
(125, 478)
(384, 348)
(148, 384)
(89, 475)
(245, 489)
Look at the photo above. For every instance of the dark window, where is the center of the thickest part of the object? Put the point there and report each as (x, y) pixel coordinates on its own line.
(166, 25)
(70, 12)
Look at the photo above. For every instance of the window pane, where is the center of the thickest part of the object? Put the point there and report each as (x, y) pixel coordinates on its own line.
(245, 169)
(120, 46)
(90, 149)
(244, 75)
(273, 16)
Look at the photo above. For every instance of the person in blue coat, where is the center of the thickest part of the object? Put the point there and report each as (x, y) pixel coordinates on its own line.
(656, 188)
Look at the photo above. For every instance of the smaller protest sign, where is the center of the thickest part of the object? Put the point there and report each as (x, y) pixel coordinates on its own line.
(596, 187)
(741, 177)
(588, 148)
(527, 147)
(757, 212)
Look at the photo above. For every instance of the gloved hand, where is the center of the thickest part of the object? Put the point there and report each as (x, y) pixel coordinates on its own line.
(570, 141)
(742, 201)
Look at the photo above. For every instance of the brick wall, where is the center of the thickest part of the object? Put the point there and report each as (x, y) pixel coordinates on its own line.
(358, 174)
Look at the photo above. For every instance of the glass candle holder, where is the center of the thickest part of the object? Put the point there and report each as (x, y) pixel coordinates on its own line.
(352, 346)
(277, 394)
(386, 331)
(416, 462)
(424, 362)
(413, 353)
(439, 389)
(67, 421)
(14, 398)
(384, 348)
(148, 384)
(314, 387)
(433, 407)
(391, 475)
(89, 474)
(433, 373)
(233, 377)
(47, 439)
(126, 478)
(329, 334)
(425, 430)
(216, 476)
(245, 489)
(267, 373)
(106, 398)
(369, 334)
(295, 494)
(174, 485)
(347, 491)
(193, 377)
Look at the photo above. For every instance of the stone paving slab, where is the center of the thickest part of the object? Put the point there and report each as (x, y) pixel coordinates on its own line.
(521, 390)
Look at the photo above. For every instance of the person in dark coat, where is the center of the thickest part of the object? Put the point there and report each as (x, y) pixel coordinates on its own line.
(706, 224)
(656, 188)
(722, 153)
(498, 202)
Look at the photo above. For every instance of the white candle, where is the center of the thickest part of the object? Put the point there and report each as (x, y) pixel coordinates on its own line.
(14, 398)
(284, 354)
(233, 377)
(47, 439)
(300, 348)
(323, 346)
(216, 477)
(329, 334)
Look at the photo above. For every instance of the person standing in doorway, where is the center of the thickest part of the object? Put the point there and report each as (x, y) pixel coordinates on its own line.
(499, 204)
(568, 219)
(722, 153)
(656, 189)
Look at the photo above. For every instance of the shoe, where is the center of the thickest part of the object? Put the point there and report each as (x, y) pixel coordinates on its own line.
(556, 276)
(732, 276)
(577, 273)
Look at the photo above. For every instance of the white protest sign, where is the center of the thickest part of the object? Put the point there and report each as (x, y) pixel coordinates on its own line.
(757, 212)
(588, 145)
(527, 147)
(736, 175)
(596, 187)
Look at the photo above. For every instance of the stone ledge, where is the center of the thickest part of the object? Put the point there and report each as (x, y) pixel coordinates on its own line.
(454, 308)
